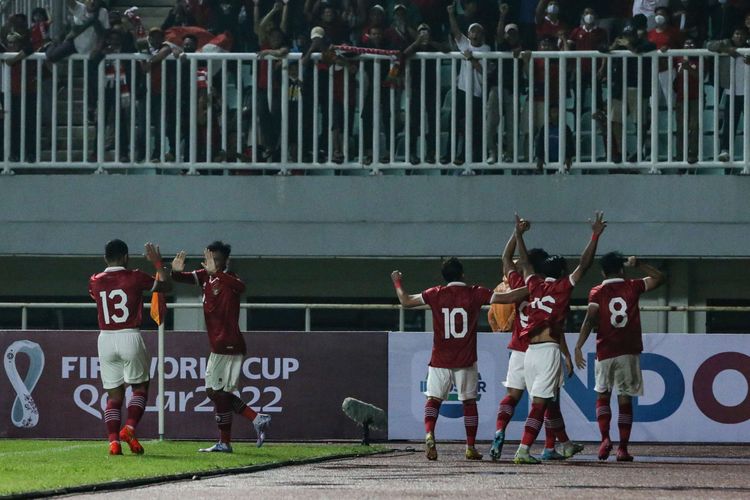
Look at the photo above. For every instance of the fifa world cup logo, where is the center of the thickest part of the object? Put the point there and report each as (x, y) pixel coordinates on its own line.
(24, 413)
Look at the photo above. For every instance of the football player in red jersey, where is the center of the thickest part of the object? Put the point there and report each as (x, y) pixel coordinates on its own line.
(549, 303)
(455, 313)
(613, 312)
(221, 308)
(118, 293)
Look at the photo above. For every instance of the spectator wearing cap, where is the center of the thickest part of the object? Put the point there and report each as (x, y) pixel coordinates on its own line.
(665, 37)
(548, 22)
(400, 34)
(423, 118)
(319, 43)
(375, 17)
(469, 82)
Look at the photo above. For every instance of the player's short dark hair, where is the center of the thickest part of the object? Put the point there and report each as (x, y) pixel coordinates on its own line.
(612, 263)
(221, 247)
(536, 257)
(554, 266)
(115, 250)
(452, 270)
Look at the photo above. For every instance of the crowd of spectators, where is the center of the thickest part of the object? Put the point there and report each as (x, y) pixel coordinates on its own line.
(277, 28)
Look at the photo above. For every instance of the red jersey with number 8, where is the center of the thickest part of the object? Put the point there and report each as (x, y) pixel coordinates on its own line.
(455, 313)
(619, 330)
(118, 293)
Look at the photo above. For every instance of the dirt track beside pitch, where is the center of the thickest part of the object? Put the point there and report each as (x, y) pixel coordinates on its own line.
(660, 471)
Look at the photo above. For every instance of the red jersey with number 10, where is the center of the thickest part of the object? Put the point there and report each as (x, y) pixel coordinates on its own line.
(455, 313)
(118, 293)
(521, 320)
(619, 330)
(549, 305)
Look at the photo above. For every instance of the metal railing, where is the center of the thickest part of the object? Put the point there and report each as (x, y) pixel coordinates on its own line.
(211, 112)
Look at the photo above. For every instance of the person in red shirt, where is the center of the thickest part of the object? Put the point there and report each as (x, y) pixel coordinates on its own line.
(613, 306)
(686, 69)
(118, 293)
(548, 22)
(221, 309)
(455, 313)
(549, 298)
(665, 37)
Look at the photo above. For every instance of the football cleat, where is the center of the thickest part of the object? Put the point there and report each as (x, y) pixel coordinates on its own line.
(127, 435)
(218, 448)
(571, 449)
(472, 453)
(551, 454)
(605, 449)
(624, 456)
(430, 449)
(523, 457)
(115, 448)
(497, 445)
(261, 423)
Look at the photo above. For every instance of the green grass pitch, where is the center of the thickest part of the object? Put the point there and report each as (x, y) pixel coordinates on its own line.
(35, 466)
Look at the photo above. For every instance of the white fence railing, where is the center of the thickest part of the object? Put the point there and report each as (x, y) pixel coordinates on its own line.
(203, 112)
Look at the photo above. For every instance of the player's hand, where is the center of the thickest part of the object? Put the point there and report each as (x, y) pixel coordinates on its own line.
(599, 223)
(178, 264)
(632, 261)
(504, 8)
(569, 366)
(152, 253)
(396, 277)
(209, 264)
(580, 361)
(522, 225)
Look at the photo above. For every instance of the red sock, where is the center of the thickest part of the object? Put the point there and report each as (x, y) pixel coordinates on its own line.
(112, 419)
(239, 407)
(431, 409)
(556, 423)
(471, 421)
(223, 409)
(136, 407)
(603, 417)
(533, 424)
(624, 424)
(505, 412)
(549, 433)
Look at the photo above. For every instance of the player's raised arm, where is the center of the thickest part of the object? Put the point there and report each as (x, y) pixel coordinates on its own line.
(587, 257)
(523, 263)
(589, 323)
(178, 270)
(163, 280)
(515, 295)
(510, 249)
(654, 278)
(404, 298)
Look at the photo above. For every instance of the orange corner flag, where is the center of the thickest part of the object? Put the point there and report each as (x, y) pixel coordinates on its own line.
(158, 307)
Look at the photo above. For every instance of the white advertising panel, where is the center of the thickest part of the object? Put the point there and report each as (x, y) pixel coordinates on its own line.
(696, 389)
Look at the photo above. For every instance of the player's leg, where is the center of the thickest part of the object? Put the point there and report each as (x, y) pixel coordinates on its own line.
(555, 429)
(604, 373)
(515, 382)
(218, 389)
(538, 361)
(135, 358)
(439, 382)
(629, 383)
(466, 383)
(261, 421)
(113, 380)
(624, 425)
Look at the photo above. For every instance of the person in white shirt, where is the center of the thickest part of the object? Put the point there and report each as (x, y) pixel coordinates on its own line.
(90, 21)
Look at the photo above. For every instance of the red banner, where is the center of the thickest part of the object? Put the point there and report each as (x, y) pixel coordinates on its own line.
(50, 385)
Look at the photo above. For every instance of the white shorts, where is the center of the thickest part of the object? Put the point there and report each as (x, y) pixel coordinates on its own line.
(516, 378)
(622, 373)
(543, 369)
(440, 381)
(223, 371)
(122, 358)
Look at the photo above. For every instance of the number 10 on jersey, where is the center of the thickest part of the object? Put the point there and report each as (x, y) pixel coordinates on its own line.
(449, 322)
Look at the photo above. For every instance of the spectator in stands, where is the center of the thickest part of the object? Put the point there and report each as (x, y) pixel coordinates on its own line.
(432, 13)
(116, 75)
(90, 20)
(19, 40)
(736, 88)
(686, 69)
(648, 8)
(469, 82)
(372, 110)
(590, 37)
(548, 22)
(179, 15)
(375, 18)
(274, 46)
(688, 16)
(203, 12)
(319, 44)
(40, 26)
(423, 43)
(399, 34)
(665, 37)
(324, 13)
(550, 141)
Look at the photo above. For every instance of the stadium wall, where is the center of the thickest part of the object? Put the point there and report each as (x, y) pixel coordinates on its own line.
(355, 216)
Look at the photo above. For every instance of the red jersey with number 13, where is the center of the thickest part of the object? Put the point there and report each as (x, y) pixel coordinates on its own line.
(619, 330)
(118, 293)
(455, 313)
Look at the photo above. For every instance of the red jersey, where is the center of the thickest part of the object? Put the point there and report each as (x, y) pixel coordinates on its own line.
(550, 303)
(455, 313)
(221, 308)
(670, 38)
(548, 29)
(588, 39)
(521, 320)
(118, 293)
(692, 78)
(619, 330)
